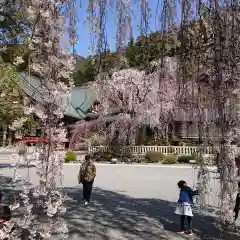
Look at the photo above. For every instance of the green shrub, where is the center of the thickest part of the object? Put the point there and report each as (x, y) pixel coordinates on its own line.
(108, 156)
(170, 159)
(70, 157)
(186, 158)
(154, 157)
(139, 159)
(195, 156)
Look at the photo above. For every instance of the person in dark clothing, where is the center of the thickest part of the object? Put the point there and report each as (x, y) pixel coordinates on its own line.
(237, 204)
(184, 206)
(87, 191)
(86, 176)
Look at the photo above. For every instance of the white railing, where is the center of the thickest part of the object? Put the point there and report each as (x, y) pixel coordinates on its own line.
(142, 150)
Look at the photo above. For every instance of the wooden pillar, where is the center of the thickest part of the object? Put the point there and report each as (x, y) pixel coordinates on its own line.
(144, 133)
(138, 136)
(9, 137)
(172, 133)
(166, 133)
(4, 138)
(183, 130)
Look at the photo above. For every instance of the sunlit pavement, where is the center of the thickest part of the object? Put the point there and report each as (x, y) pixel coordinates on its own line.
(132, 202)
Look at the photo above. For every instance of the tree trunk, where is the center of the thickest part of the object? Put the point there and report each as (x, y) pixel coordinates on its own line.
(4, 138)
(10, 137)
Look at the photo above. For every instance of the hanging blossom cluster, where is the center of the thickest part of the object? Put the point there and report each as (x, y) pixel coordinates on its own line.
(228, 153)
(228, 180)
(218, 62)
(144, 99)
(141, 99)
(44, 204)
(226, 88)
(81, 131)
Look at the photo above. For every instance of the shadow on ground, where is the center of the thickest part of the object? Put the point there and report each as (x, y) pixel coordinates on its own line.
(8, 165)
(115, 216)
(9, 190)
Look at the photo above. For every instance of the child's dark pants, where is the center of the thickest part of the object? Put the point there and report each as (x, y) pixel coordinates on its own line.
(87, 190)
(182, 220)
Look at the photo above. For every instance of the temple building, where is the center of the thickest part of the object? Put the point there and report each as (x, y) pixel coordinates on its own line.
(184, 127)
(79, 104)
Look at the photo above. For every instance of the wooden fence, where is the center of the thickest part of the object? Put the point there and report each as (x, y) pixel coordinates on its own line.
(142, 150)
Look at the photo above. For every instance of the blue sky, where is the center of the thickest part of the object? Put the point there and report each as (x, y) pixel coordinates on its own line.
(83, 32)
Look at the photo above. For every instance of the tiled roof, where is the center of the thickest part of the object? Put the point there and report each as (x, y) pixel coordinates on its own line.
(81, 97)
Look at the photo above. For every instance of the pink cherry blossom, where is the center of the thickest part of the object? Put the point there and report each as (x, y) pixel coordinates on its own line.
(143, 98)
(55, 66)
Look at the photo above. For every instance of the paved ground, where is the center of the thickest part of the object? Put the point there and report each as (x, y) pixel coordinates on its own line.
(132, 202)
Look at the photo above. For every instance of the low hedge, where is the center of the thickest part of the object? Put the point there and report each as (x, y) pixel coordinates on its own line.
(170, 159)
(70, 157)
(186, 158)
(106, 156)
(154, 157)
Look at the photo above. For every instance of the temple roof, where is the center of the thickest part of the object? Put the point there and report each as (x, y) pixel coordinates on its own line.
(83, 97)
(80, 102)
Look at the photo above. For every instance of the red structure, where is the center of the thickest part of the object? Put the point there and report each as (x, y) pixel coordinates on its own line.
(33, 140)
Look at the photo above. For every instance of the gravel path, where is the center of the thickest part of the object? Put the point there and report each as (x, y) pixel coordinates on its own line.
(133, 202)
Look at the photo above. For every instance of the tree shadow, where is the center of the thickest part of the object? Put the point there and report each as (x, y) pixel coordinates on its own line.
(113, 216)
(10, 190)
(116, 216)
(9, 166)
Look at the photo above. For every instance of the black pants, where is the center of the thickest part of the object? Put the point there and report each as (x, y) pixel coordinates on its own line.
(87, 190)
(182, 220)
